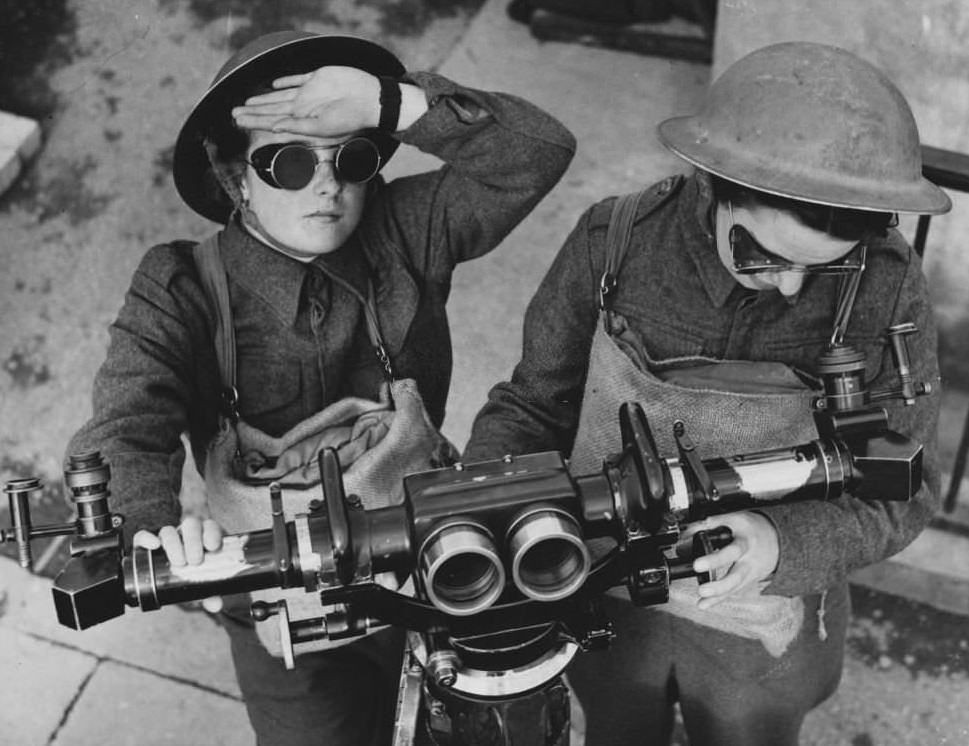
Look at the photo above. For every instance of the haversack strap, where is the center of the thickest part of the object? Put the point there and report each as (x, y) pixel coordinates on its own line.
(208, 261)
(617, 241)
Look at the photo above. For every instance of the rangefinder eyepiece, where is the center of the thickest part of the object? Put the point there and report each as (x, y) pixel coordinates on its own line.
(87, 476)
(549, 560)
(462, 572)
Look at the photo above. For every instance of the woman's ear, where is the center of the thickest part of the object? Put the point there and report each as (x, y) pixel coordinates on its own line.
(243, 186)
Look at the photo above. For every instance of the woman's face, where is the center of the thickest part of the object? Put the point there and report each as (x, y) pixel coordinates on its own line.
(311, 221)
(782, 234)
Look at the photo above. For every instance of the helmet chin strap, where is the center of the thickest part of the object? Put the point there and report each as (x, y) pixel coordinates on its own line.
(229, 176)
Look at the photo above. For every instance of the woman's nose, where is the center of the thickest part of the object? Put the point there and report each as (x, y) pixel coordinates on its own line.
(788, 283)
(325, 179)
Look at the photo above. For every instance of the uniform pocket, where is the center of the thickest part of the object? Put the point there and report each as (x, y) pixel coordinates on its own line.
(669, 338)
(270, 393)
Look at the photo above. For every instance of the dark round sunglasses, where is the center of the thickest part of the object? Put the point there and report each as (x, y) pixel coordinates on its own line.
(292, 165)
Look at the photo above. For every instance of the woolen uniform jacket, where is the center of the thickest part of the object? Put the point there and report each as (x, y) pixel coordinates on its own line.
(683, 303)
(301, 338)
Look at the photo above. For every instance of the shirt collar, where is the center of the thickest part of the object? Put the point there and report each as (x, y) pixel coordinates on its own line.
(274, 277)
(278, 279)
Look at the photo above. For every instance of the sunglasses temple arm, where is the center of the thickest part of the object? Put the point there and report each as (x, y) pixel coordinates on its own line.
(846, 302)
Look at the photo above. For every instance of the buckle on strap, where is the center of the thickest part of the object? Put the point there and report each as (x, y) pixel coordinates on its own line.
(386, 366)
(607, 288)
(229, 403)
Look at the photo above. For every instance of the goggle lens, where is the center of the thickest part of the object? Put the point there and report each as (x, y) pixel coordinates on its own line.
(750, 258)
(292, 165)
(357, 160)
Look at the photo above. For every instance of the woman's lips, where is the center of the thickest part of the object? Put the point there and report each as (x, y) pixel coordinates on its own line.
(324, 216)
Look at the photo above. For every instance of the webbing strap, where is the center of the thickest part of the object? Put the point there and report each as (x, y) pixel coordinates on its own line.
(208, 261)
(369, 302)
(373, 325)
(617, 241)
(618, 235)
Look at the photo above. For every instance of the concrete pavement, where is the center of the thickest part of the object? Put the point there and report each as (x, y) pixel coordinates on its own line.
(165, 677)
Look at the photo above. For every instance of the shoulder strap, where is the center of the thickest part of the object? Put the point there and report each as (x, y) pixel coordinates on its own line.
(617, 241)
(620, 228)
(208, 261)
(369, 304)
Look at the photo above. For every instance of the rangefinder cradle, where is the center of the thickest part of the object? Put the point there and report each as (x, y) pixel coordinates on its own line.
(506, 589)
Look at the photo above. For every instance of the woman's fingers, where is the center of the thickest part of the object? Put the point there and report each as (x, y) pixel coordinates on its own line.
(145, 540)
(211, 535)
(716, 591)
(171, 542)
(720, 560)
(212, 604)
(256, 120)
(291, 81)
(279, 97)
(274, 110)
(738, 567)
(186, 544)
(191, 531)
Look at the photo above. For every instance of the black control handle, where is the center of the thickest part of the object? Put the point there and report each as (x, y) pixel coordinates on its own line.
(708, 542)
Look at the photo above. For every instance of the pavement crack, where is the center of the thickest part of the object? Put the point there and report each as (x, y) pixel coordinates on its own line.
(70, 705)
(126, 664)
(177, 679)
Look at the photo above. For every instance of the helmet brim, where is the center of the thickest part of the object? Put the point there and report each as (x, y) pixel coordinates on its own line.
(690, 140)
(191, 169)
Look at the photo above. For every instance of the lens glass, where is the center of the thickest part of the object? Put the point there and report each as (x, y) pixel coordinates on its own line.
(750, 257)
(550, 565)
(357, 160)
(465, 577)
(294, 166)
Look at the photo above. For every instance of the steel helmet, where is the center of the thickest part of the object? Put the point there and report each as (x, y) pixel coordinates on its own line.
(260, 61)
(811, 122)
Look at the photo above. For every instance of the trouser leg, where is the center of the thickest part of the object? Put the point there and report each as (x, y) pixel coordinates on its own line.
(626, 690)
(734, 693)
(343, 697)
(730, 689)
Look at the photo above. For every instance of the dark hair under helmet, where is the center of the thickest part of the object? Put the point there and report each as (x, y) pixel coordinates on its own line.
(260, 61)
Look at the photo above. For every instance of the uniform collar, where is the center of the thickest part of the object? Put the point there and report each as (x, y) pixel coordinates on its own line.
(274, 277)
(701, 245)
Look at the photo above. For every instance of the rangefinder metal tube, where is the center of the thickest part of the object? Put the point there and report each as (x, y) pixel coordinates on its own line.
(549, 560)
(246, 562)
(819, 470)
(460, 567)
(302, 555)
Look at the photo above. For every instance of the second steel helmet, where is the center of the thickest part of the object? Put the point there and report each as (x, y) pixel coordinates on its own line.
(811, 122)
